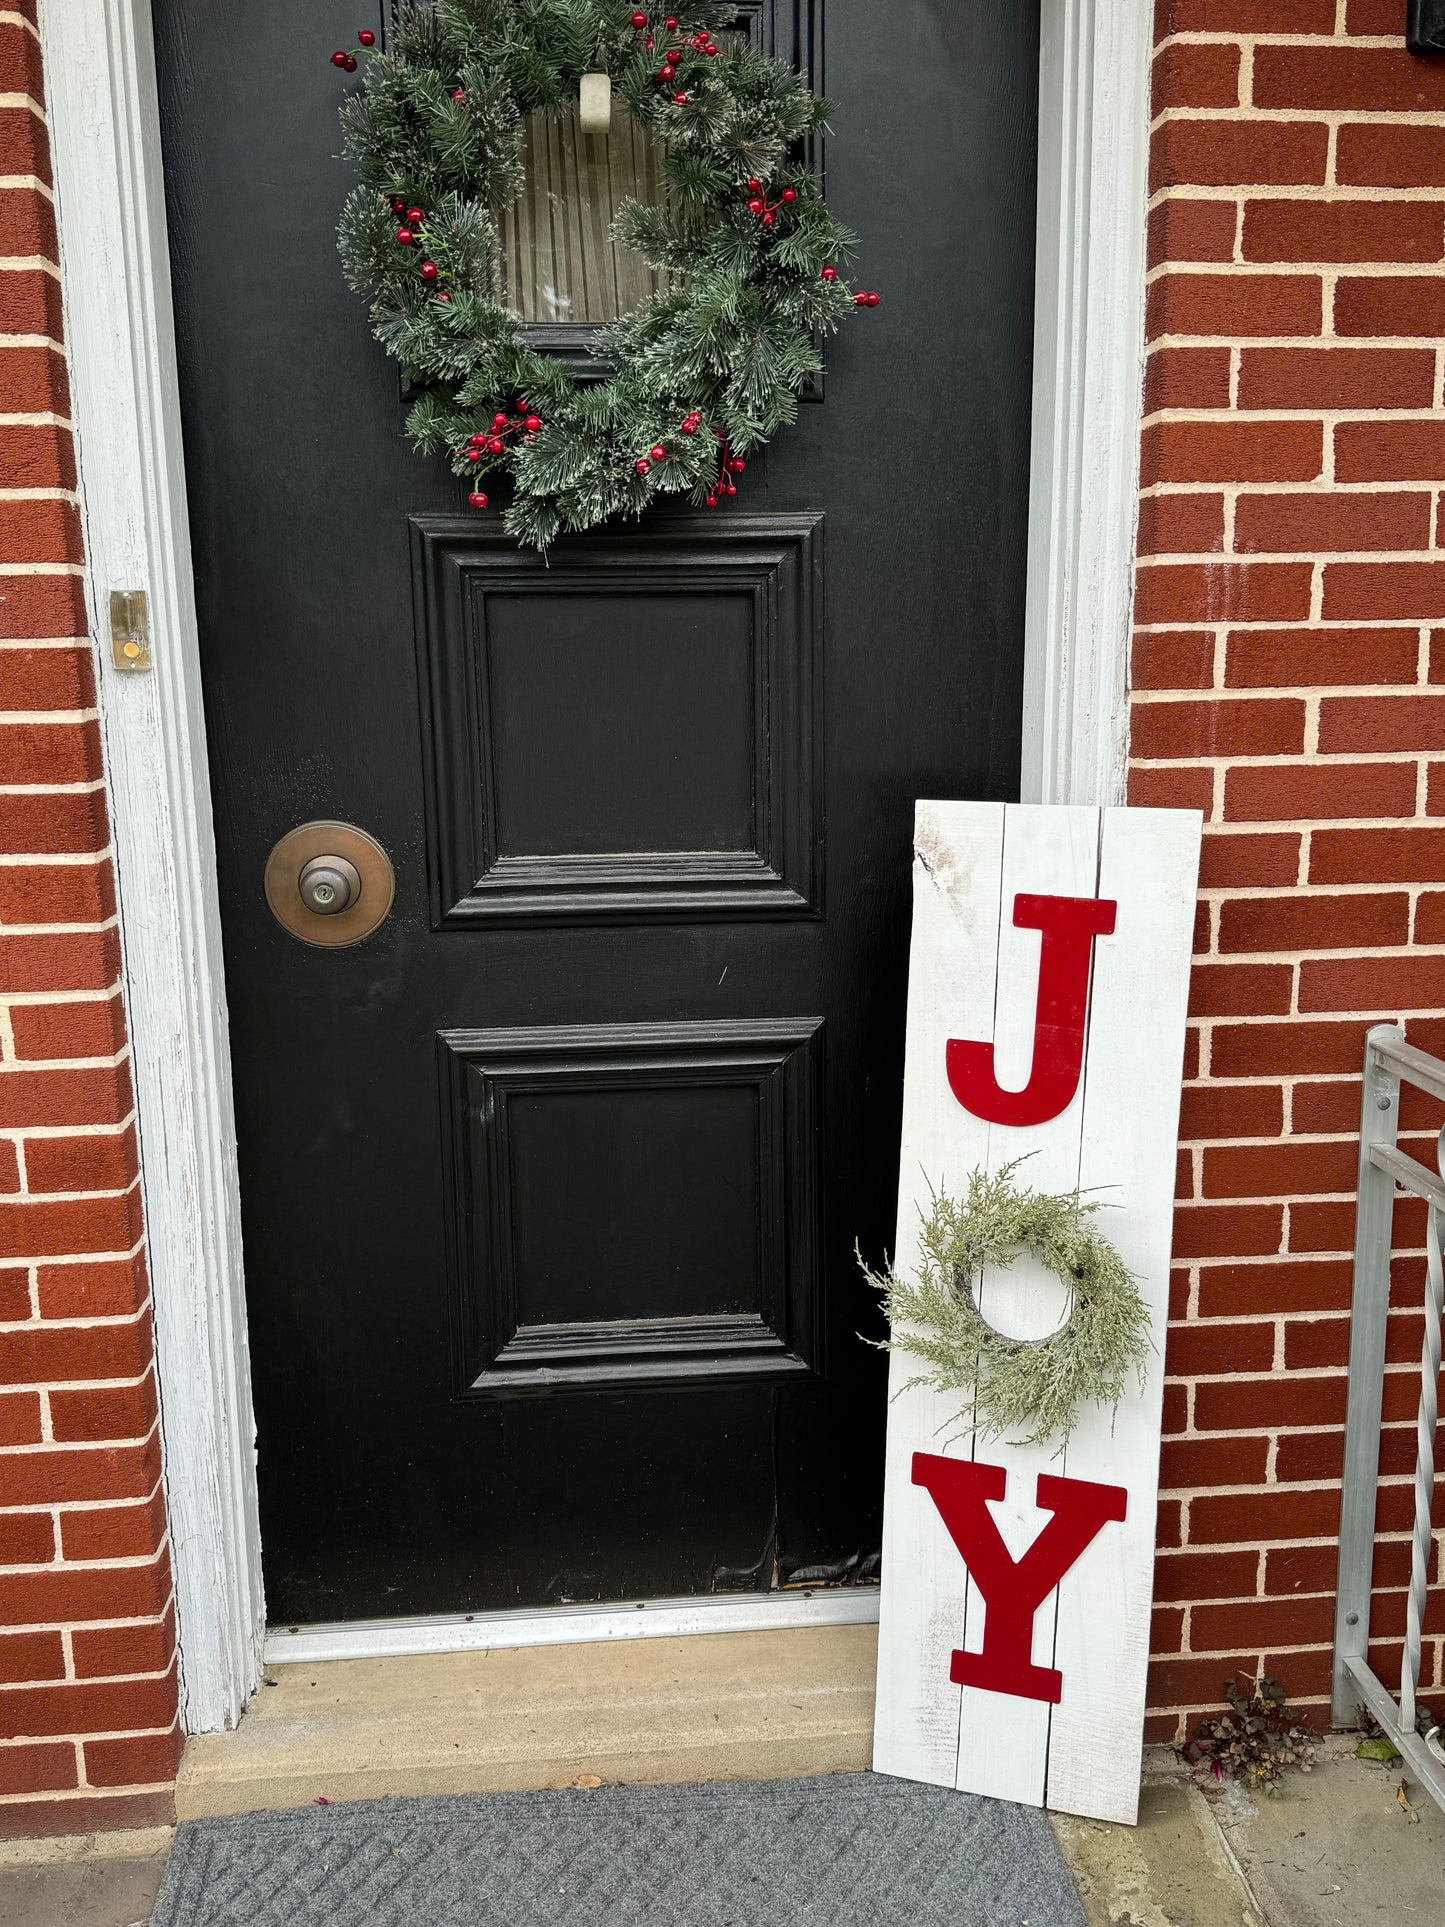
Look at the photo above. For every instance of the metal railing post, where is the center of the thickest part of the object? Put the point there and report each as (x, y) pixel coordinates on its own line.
(1370, 1306)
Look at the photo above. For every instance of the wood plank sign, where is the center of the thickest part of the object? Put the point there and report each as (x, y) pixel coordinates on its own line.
(1046, 1005)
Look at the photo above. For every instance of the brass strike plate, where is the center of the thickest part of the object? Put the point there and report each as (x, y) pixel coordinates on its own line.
(130, 629)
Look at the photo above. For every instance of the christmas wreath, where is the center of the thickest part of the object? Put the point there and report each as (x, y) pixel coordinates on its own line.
(706, 370)
(1017, 1386)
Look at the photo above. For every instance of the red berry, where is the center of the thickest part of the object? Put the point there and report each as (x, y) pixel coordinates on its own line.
(789, 194)
(639, 19)
(860, 301)
(350, 63)
(830, 274)
(340, 57)
(755, 206)
(712, 501)
(474, 454)
(709, 50)
(670, 22)
(397, 206)
(679, 100)
(366, 37)
(754, 186)
(667, 73)
(495, 445)
(872, 301)
(532, 424)
(674, 54)
(477, 441)
(429, 270)
(416, 215)
(658, 453)
(477, 499)
(459, 93)
(442, 295)
(642, 465)
(767, 218)
(403, 237)
(689, 427)
(731, 489)
(499, 421)
(737, 465)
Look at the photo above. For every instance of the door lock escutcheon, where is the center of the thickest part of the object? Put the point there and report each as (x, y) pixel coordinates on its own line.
(329, 883)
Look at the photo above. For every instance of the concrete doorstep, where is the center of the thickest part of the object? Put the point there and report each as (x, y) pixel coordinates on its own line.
(724, 1706)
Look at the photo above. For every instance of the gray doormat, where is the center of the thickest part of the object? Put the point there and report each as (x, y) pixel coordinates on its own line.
(849, 1850)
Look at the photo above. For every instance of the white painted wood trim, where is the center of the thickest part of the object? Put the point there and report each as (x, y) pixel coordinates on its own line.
(100, 79)
(738, 1612)
(1094, 74)
(1088, 347)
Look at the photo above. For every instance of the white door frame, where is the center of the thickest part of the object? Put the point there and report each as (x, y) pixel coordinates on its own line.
(1088, 357)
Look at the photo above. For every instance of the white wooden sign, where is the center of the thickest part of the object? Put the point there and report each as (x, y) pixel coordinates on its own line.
(1051, 1606)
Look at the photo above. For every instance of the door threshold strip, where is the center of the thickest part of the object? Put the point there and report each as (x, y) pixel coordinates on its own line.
(734, 1612)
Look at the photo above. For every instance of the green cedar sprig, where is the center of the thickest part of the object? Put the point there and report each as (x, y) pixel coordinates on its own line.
(1012, 1387)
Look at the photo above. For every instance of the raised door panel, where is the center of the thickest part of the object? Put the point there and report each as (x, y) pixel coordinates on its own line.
(626, 730)
(632, 1205)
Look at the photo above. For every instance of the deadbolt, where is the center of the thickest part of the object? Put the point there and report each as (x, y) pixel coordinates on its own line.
(329, 883)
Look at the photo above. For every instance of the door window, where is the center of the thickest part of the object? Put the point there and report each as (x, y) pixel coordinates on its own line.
(560, 263)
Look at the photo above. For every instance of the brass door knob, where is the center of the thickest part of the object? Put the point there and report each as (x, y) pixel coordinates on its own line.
(329, 883)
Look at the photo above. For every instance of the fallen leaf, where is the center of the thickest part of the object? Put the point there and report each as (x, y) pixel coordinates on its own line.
(586, 1780)
(1378, 1748)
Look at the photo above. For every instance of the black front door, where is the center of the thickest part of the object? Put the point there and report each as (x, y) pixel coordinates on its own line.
(551, 1185)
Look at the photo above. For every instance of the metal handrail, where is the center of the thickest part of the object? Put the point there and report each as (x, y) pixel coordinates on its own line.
(1389, 1060)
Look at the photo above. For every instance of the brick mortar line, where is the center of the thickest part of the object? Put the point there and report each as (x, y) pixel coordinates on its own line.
(51, 1446)
(66, 859)
(1222, 37)
(1296, 625)
(1317, 193)
(1290, 558)
(130, 1384)
(90, 786)
(1289, 490)
(46, 642)
(73, 1566)
(36, 1325)
(101, 1794)
(27, 718)
(84, 1681)
(1345, 415)
(59, 1508)
(32, 999)
(1288, 760)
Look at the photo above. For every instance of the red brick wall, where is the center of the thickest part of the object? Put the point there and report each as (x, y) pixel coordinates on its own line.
(88, 1731)
(1289, 680)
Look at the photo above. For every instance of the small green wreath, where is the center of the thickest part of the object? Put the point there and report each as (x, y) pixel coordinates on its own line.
(1017, 1386)
(706, 370)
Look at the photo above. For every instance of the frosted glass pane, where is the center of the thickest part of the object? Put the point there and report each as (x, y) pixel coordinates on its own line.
(558, 260)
